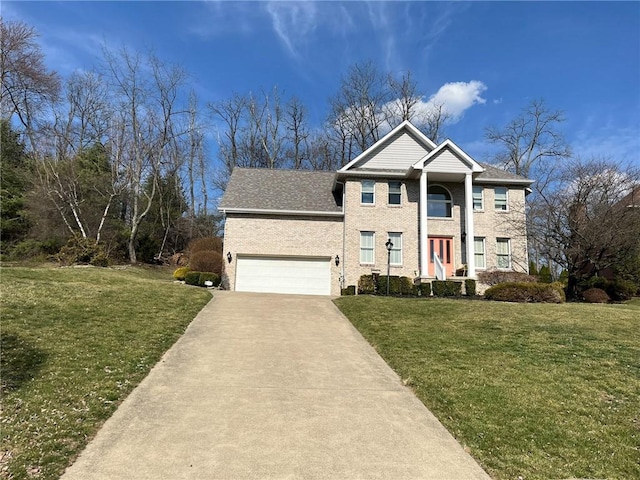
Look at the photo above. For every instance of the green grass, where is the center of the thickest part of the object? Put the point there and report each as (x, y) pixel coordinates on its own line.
(75, 342)
(534, 391)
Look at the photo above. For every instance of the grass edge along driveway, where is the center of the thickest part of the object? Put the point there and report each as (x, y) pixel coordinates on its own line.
(533, 391)
(75, 342)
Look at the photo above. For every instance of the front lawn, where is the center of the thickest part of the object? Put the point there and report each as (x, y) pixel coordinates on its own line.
(534, 391)
(75, 342)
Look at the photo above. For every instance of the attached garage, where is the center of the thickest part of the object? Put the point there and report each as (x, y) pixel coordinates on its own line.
(293, 275)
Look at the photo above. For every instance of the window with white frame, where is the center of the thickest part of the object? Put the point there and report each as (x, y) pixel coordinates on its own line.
(438, 202)
(367, 250)
(479, 252)
(503, 252)
(395, 257)
(395, 193)
(478, 203)
(368, 192)
(500, 201)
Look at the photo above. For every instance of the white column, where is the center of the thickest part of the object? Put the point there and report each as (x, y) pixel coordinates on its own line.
(468, 217)
(424, 237)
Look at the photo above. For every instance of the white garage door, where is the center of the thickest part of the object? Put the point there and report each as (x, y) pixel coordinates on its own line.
(307, 276)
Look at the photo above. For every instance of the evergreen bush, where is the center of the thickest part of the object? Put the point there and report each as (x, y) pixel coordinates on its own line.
(366, 285)
(595, 295)
(350, 290)
(446, 288)
(424, 289)
(214, 278)
(180, 273)
(192, 278)
(470, 287)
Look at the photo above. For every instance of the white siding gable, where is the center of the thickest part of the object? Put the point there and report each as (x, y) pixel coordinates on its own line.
(447, 162)
(400, 152)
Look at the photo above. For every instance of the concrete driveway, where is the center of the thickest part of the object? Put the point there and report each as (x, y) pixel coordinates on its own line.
(272, 386)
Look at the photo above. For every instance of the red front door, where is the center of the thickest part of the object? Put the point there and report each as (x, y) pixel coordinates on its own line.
(443, 247)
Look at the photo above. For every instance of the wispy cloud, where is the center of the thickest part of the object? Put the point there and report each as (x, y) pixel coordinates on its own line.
(609, 142)
(294, 23)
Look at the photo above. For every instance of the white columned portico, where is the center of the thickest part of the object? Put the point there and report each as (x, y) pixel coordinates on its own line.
(424, 237)
(468, 220)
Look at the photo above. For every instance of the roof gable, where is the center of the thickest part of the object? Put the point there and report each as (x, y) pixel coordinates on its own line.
(397, 150)
(448, 158)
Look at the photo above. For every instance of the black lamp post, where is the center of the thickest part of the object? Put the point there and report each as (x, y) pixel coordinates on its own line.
(389, 246)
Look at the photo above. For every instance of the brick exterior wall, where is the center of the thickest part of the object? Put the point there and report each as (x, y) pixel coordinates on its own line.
(382, 218)
(273, 235)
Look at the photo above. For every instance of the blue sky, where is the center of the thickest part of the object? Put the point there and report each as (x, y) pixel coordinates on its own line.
(493, 58)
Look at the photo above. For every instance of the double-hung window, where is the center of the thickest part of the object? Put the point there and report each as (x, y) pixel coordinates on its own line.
(503, 252)
(500, 199)
(479, 252)
(395, 193)
(395, 254)
(368, 192)
(478, 203)
(367, 249)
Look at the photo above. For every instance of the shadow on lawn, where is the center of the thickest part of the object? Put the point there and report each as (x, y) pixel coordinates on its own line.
(21, 361)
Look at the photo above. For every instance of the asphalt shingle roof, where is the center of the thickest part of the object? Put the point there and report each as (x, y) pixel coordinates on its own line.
(495, 173)
(271, 189)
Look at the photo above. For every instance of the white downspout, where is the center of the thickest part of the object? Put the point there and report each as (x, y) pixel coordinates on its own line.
(424, 237)
(468, 213)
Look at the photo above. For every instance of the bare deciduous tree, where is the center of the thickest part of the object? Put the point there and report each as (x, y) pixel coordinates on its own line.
(27, 85)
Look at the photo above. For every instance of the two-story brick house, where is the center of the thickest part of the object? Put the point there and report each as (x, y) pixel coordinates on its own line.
(419, 209)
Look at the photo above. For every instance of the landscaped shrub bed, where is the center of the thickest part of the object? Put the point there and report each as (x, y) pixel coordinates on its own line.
(367, 285)
(180, 273)
(618, 290)
(350, 290)
(470, 287)
(526, 292)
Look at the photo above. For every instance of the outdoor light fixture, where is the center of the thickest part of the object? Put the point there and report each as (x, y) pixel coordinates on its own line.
(389, 246)
(229, 257)
(337, 260)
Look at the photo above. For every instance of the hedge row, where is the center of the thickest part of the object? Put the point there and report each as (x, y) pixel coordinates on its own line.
(526, 292)
(368, 285)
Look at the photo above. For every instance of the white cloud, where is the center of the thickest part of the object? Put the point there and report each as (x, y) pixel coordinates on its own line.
(455, 98)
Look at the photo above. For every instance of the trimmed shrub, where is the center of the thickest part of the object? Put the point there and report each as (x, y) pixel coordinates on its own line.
(192, 278)
(397, 285)
(350, 290)
(446, 288)
(366, 285)
(206, 244)
(526, 292)
(424, 289)
(214, 278)
(180, 273)
(470, 287)
(496, 277)
(206, 261)
(595, 295)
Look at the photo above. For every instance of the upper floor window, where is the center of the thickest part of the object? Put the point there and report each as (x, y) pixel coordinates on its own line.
(395, 254)
(367, 192)
(395, 193)
(501, 199)
(367, 243)
(438, 202)
(478, 203)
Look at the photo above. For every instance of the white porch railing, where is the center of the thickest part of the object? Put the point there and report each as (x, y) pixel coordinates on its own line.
(441, 273)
